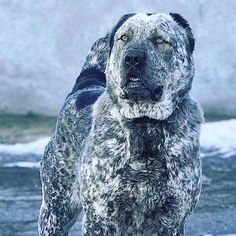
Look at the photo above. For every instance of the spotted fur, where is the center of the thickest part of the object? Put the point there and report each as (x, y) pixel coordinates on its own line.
(61, 202)
(130, 165)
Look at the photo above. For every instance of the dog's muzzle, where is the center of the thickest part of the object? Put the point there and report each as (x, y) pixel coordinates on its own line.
(135, 90)
(133, 85)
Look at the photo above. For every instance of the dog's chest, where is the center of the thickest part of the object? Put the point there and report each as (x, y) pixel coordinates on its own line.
(126, 165)
(146, 162)
(135, 152)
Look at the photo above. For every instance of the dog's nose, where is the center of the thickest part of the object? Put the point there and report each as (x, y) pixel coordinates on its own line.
(135, 58)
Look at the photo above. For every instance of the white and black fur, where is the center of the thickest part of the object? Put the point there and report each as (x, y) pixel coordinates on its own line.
(125, 151)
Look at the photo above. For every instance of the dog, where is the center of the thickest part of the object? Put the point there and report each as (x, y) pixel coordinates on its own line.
(125, 151)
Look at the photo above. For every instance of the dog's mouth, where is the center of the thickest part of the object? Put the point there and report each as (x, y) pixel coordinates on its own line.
(133, 78)
(135, 89)
(134, 82)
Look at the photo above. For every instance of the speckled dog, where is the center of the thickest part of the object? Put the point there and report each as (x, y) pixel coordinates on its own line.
(126, 145)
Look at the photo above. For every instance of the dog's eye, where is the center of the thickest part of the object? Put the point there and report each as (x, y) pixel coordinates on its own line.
(160, 40)
(123, 38)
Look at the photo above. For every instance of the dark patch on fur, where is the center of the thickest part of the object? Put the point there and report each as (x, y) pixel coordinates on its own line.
(89, 77)
(87, 98)
(182, 22)
(117, 26)
(143, 119)
(149, 14)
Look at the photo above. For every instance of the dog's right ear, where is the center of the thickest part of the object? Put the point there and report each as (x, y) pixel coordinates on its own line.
(182, 22)
(117, 26)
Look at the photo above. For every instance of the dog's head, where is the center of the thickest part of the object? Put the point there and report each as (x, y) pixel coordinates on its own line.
(150, 67)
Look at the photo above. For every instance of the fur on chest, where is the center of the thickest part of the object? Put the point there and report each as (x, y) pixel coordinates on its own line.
(136, 147)
(141, 149)
(140, 153)
(139, 171)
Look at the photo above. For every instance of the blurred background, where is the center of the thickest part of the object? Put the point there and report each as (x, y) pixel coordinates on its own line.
(43, 45)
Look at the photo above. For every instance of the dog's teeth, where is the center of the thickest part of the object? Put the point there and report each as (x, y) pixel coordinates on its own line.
(134, 79)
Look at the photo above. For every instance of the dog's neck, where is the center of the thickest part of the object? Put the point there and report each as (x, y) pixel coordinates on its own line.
(145, 137)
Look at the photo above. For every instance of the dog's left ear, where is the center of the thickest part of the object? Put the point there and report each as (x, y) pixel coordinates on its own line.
(117, 26)
(183, 23)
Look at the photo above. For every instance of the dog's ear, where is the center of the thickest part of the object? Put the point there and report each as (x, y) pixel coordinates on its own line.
(116, 27)
(183, 23)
